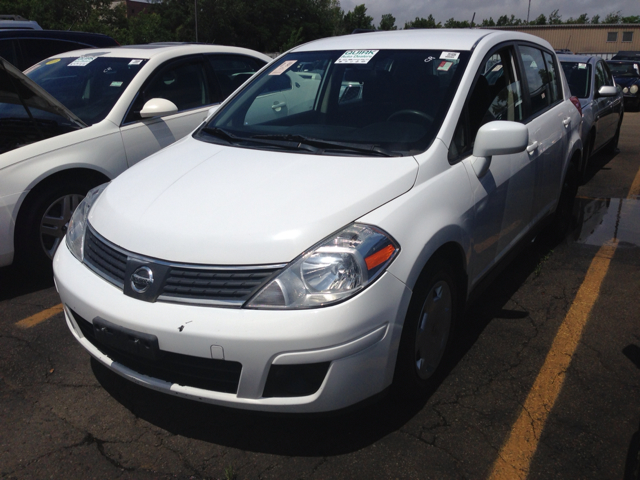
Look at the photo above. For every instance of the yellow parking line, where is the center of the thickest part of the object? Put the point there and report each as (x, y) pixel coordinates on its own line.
(514, 459)
(39, 317)
(515, 456)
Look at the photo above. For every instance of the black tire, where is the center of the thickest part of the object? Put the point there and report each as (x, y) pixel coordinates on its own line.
(563, 222)
(43, 221)
(588, 149)
(428, 329)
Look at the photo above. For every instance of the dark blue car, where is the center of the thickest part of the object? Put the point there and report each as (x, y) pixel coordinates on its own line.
(627, 75)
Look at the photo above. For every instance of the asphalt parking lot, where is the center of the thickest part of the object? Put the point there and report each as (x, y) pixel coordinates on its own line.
(544, 381)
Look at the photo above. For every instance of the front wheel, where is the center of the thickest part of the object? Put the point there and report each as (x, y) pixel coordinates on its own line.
(428, 328)
(44, 219)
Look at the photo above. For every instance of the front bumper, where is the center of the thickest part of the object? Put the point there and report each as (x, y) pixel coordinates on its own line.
(358, 338)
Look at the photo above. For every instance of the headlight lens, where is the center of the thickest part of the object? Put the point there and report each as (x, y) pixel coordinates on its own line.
(78, 222)
(625, 90)
(336, 269)
(634, 89)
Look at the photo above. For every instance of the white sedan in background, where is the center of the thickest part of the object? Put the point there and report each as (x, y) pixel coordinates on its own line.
(306, 247)
(122, 104)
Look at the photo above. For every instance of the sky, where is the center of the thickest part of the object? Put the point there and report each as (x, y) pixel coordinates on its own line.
(442, 10)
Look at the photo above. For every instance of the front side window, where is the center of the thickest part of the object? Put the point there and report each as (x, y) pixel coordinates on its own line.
(185, 84)
(365, 102)
(89, 86)
(231, 71)
(579, 78)
(496, 95)
(601, 77)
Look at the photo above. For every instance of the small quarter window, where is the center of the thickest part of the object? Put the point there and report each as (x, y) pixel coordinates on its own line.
(612, 36)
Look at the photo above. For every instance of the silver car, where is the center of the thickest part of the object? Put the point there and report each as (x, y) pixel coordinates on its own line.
(601, 100)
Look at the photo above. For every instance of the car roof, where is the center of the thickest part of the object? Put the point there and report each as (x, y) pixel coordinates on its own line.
(418, 39)
(159, 50)
(577, 58)
(97, 39)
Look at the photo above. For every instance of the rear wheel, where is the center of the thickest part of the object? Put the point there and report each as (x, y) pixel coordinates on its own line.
(428, 328)
(612, 146)
(44, 219)
(562, 222)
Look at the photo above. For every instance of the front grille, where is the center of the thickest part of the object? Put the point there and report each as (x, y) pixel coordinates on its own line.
(105, 260)
(194, 284)
(204, 373)
(236, 285)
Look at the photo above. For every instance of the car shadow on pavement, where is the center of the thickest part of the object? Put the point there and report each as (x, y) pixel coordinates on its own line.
(17, 281)
(316, 434)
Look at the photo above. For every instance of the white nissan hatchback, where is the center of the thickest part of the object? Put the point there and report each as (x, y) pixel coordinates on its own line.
(318, 237)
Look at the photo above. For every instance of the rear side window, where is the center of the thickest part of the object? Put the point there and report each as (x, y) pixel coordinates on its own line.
(36, 49)
(541, 81)
(231, 71)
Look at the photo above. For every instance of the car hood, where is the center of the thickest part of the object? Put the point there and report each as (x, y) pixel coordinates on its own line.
(202, 203)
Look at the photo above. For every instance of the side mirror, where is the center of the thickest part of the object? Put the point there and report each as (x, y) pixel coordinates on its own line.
(607, 91)
(158, 107)
(498, 138)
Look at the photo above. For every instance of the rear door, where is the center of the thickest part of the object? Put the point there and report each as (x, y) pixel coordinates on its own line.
(548, 120)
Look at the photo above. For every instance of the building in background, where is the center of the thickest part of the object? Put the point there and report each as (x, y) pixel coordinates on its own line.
(604, 40)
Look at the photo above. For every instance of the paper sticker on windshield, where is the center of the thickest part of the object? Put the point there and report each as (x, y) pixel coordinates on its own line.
(116, 84)
(357, 56)
(82, 61)
(582, 65)
(445, 66)
(449, 55)
(51, 62)
(497, 68)
(283, 68)
(135, 62)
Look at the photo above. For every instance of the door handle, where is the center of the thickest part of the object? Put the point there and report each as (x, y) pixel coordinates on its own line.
(276, 106)
(532, 148)
(566, 122)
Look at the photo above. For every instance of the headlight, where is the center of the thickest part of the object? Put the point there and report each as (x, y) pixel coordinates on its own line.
(634, 89)
(78, 222)
(625, 90)
(334, 270)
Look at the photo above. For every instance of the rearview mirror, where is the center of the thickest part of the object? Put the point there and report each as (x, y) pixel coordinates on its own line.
(158, 107)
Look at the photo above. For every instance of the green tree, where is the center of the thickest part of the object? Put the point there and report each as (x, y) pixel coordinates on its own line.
(358, 18)
(388, 22)
(453, 23)
(613, 17)
(595, 20)
(631, 19)
(508, 21)
(488, 23)
(555, 18)
(582, 19)
(540, 20)
(420, 22)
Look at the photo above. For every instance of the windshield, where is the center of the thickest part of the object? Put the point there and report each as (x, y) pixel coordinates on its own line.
(624, 69)
(89, 86)
(374, 102)
(579, 78)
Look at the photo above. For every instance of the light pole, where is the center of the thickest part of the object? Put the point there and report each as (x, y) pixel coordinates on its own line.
(528, 11)
(195, 11)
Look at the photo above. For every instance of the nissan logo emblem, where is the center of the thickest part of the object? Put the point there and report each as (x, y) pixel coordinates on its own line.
(141, 279)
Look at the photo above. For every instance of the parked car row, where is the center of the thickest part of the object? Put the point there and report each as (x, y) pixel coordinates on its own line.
(80, 118)
(317, 238)
(590, 80)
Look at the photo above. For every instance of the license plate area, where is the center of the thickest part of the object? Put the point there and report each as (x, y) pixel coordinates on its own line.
(135, 343)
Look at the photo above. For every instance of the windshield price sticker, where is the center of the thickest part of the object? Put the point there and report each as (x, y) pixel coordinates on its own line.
(449, 55)
(283, 68)
(82, 61)
(357, 56)
(135, 62)
(445, 66)
(582, 65)
(116, 84)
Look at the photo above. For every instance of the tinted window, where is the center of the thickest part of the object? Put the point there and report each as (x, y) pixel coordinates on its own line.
(88, 86)
(185, 84)
(552, 77)
(579, 78)
(231, 71)
(8, 52)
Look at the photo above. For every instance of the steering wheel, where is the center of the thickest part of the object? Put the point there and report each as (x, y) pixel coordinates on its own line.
(418, 113)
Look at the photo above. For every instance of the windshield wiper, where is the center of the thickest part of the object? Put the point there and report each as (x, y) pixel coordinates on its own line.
(301, 140)
(234, 139)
